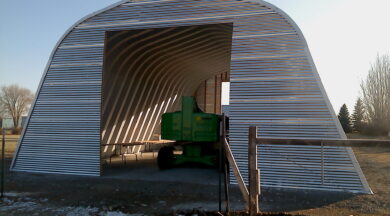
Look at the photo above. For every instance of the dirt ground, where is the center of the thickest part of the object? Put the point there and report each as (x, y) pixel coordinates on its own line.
(139, 188)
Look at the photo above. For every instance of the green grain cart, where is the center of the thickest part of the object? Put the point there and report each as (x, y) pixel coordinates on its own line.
(195, 132)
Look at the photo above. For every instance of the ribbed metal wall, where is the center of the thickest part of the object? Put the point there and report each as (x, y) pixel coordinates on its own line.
(274, 85)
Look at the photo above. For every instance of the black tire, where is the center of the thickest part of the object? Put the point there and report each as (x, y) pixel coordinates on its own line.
(165, 158)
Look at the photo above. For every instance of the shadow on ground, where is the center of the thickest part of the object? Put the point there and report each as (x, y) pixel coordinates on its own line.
(139, 187)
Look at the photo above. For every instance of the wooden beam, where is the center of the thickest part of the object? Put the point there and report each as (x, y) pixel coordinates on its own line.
(237, 173)
(319, 142)
(215, 93)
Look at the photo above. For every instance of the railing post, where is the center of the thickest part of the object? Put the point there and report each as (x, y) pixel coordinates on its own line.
(2, 164)
(253, 172)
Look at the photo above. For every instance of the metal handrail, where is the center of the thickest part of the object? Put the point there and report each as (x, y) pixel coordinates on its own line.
(254, 172)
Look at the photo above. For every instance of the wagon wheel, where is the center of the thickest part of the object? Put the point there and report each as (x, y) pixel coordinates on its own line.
(165, 158)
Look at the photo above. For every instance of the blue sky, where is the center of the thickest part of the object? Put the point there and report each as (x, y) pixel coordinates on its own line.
(344, 37)
(29, 31)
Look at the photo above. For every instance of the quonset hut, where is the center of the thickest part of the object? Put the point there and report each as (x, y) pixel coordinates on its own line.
(112, 75)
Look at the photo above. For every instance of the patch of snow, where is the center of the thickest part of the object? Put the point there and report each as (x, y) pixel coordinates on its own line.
(7, 201)
(44, 200)
(117, 213)
(26, 204)
(196, 206)
(19, 206)
(76, 211)
(15, 194)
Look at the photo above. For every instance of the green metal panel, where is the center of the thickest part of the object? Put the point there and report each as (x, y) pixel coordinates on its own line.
(190, 124)
(187, 109)
(192, 153)
(171, 128)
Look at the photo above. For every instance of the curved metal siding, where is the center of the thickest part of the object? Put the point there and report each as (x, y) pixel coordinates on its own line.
(274, 84)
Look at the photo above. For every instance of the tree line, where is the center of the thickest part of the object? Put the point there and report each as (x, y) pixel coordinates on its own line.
(14, 102)
(371, 114)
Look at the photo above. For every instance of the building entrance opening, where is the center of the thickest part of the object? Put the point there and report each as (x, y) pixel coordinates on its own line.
(146, 74)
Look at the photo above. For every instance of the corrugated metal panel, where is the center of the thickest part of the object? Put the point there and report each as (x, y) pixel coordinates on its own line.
(274, 85)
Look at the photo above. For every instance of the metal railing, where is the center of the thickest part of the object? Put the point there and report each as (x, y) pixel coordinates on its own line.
(254, 171)
(2, 164)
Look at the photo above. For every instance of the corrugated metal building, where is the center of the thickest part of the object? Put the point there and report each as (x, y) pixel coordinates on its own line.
(112, 75)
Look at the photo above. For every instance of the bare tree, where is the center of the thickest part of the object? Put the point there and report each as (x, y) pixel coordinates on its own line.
(2, 116)
(2, 112)
(15, 101)
(376, 93)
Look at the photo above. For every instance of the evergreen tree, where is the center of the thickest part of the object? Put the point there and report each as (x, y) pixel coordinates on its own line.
(357, 116)
(344, 118)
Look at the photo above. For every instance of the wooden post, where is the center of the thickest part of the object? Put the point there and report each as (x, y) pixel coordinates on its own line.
(253, 172)
(205, 96)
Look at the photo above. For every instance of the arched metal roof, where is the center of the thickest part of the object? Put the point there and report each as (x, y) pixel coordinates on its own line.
(274, 85)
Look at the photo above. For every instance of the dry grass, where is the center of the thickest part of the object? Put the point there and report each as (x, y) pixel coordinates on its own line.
(360, 136)
(10, 144)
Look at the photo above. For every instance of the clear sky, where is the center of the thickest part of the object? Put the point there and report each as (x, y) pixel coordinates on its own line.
(344, 37)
